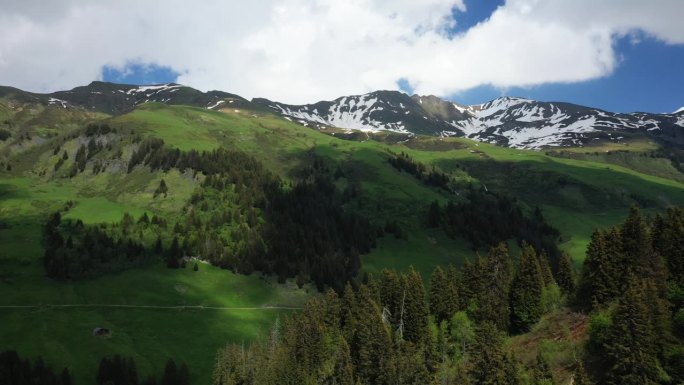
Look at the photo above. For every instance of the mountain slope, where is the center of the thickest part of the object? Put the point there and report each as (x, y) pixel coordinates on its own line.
(115, 99)
(575, 195)
(376, 111)
(507, 121)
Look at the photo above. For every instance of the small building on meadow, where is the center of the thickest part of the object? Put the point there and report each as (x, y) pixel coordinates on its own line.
(102, 332)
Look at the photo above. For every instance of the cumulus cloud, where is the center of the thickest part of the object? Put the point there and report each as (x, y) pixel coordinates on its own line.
(304, 50)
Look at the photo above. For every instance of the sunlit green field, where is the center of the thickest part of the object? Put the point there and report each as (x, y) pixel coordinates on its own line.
(63, 335)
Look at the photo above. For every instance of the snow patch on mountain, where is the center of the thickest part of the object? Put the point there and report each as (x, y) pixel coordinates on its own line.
(53, 101)
(547, 135)
(510, 121)
(154, 88)
(349, 112)
(680, 120)
(498, 105)
(215, 104)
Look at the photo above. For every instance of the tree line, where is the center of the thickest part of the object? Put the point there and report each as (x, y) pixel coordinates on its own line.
(17, 371)
(389, 330)
(74, 251)
(118, 370)
(633, 285)
(241, 217)
(484, 218)
(431, 177)
(115, 370)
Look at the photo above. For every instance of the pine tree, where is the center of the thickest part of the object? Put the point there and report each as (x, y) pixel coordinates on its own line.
(493, 300)
(344, 370)
(472, 282)
(158, 248)
(526, 292)
(565, 276)
(634, 236)
(455, 281)
(183, 375)
(170, 376)
(545, 268)
(162, 189)
(580, 376)
(391, 294)
(173, 255)
(488, 365)
(370, 341)
(65, 377)
(631, 346)
(434, 215)
(669, 243)
(443, 296)
(415, 309)
(598, 284)
(542, 371)
(512, 377)
(348, 312)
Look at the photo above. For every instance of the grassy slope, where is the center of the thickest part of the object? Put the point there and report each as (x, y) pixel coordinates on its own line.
(594, 194)
(62, 335)
(591, 194)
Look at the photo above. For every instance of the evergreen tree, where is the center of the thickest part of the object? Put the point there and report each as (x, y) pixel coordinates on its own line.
(526, 292)
(634, 236)
(668, 240)
(631, 346)
(158, 248)
(65, 377)
(599, 285)
(370, 341)
(173, 255)
(170, 376)
(488, 365)
(542, 371)
(415, 309)
(580, 376)
(443, 296)
(565, 276)
(512, 377)
(545, 269)
(392, 295)
(344, 370)
(434, 215)
(455, 281)
(162, 189)
(493, 300)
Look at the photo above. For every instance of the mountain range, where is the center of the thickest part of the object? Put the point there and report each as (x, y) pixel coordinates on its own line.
(507, 121)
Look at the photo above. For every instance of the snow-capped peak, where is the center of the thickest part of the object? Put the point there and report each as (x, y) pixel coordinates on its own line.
(499, 104)
(681, 109)
(510, 121)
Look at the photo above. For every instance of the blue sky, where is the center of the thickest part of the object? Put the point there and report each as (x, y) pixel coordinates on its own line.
(617, 55)
(649, 78)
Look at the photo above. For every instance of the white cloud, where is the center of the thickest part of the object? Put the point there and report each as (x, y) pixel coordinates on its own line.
(305, 50)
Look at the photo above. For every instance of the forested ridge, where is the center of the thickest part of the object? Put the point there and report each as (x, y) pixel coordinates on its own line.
(389, 329)
(240, 217)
